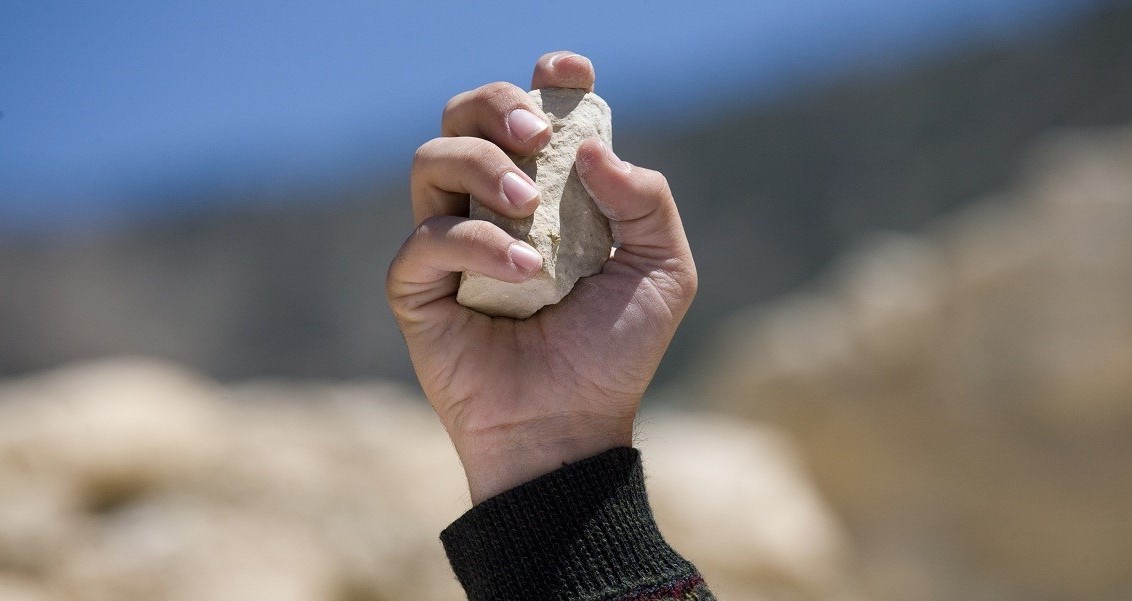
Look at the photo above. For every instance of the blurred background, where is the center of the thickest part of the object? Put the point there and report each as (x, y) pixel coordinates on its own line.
(907, 375)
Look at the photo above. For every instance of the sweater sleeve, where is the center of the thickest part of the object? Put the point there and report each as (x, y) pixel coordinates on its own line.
(584, 532)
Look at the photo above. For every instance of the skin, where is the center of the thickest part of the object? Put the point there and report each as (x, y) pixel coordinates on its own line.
(520, 398)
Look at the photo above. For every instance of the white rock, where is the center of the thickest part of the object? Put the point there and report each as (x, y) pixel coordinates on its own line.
(328, 492)
(567, 229)
(733, 498)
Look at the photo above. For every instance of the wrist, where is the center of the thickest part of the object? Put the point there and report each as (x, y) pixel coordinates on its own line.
(499, 460)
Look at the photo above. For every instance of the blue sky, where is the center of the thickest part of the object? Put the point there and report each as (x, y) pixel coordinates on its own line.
(110, 106)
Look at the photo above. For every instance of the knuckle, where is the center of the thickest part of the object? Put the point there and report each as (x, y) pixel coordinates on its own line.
(469, 155)
(397, 265)
(450, 109)
(497, 93)
(486, 240)
(478, 155)
(391, 275)
(422, 154)
(478, 234)
(684, 272)
(679, 282)
(423, 233)
(690, 280)
(487, 154)
(656, 185)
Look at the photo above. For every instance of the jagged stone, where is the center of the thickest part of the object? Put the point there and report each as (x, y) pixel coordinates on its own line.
(567, 229)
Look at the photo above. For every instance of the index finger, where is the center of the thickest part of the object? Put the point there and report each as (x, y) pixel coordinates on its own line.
(563, 69)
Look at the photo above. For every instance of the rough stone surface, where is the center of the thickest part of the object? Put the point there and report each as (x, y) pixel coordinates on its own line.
(964, 395)
(132, 480)
(567, 229)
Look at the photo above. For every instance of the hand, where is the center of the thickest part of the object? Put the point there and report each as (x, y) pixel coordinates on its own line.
(520, 398)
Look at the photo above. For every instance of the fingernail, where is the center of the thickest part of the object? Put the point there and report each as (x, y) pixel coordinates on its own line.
(518, 190)
(524, 257)
(558, 57)
(524, 125)
(577, 58)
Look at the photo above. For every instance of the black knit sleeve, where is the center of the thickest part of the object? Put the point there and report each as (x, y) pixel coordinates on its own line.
(583, 532)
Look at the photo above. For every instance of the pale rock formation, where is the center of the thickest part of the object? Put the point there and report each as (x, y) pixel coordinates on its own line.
(964, 396)
(567, 229)
(135, 480)
(703, 468)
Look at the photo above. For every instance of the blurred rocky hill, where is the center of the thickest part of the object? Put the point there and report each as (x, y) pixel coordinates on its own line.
(770, 194)
(963, 397)
(130, 480)
(939, 415)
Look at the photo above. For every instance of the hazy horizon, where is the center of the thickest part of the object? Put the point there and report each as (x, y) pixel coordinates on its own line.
(105, 109)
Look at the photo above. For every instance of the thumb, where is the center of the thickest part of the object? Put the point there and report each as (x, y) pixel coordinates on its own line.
(642, 215)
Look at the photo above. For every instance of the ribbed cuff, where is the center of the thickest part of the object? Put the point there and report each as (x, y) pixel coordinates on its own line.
(583, 532)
